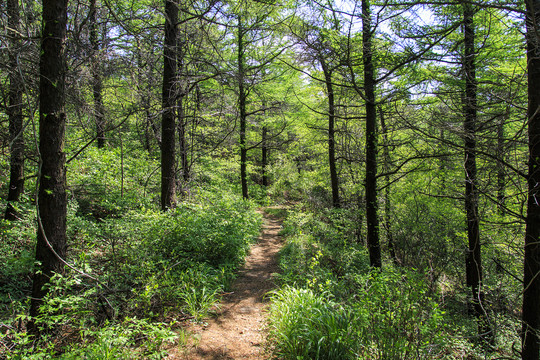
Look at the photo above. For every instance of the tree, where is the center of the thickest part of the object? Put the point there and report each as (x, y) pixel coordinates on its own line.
(15, 114)
(371, 138)
(97, 83)
(474, 256)
(242, 97)
(181, 113)
(52, 199)
(168, 143)
(328, 70)
(255, 48)
(264, 156)
(531, 266)
(319, 40)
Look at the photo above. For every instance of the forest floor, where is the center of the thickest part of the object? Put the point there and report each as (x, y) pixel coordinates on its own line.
(237, 331)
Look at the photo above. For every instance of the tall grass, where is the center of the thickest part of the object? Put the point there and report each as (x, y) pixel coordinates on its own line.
(305, 325)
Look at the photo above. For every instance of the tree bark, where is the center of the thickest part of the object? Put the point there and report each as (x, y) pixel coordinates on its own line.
(474, 256)
(387, 207)
(97, 83)
(334, 181)
(52, 199)
(15, 114)
(168, 143)
(501, 176)
(182, 120)
(371, 139)
(531, 278)
(264, 155)
(182, 140)
(242, 108)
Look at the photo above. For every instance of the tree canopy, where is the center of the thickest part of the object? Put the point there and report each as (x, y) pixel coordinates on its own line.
(139, 136)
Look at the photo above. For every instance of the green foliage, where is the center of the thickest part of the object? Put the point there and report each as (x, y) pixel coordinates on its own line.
(397, 319)
(107, 182)
(156, 265)
(389, 316)
(280, 212)
(69, 330)
(218, 232)
(115, 342)
(304, 325)
(199, 301)
(153, 267)
(392, 313)
(17, 260)
(431, 227)
(320, 250)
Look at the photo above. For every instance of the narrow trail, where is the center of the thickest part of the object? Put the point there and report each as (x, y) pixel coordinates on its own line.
(237, 331)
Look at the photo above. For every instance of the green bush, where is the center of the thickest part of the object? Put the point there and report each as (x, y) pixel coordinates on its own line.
(218, 232)
(17, 244)
(118, 341)
(69, 330)
(108, 182)
(396, 317)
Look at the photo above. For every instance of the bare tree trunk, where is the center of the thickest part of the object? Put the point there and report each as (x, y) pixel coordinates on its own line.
(474, 255)
(182, 120)
(531, 278)
(168, 139)
(387, 207)
(97, 83)
(183, 145)
(15, 114)
(242, 107)
(52, 200)
(371, 139)
(264, 155)
(501, 176)
(331, 134)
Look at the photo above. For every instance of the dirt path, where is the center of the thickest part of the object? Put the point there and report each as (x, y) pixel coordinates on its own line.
(237, 332)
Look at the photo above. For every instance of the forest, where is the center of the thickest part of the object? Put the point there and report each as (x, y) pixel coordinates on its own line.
(144, 143)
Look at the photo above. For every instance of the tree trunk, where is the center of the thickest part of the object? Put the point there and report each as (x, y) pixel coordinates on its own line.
(15, 115)
(264, 155)
(387, 207)
(183, 146)
(242, 107)
(97, 83)
(52, 199)
(182, 120)
(531, 279)
(142, 83)
(331, 134)
(168, 143)
(501, 176)
(474, 256)
(371, 139)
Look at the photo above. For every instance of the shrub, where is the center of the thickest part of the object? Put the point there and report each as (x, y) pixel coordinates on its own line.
(152, 266)
(218, 232)
(395, 317)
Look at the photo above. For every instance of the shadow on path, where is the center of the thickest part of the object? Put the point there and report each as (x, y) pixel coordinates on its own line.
(237, 331)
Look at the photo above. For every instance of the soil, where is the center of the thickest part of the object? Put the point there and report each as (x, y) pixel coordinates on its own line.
(238, 329)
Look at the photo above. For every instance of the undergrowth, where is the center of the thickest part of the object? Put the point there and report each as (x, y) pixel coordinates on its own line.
(332, 305)
(144, 273)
